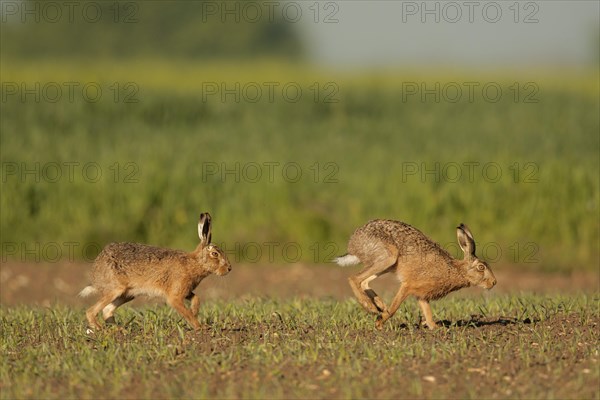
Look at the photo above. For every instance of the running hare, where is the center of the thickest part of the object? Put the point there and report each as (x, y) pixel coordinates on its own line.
(424, 269)
(123, 271)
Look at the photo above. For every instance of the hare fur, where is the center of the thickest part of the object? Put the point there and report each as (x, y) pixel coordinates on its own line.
(123, 271)
(424, 268)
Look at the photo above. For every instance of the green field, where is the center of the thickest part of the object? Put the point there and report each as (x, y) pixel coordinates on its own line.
(521, 171)
(287, 182)
(126, 128)
(526, 346)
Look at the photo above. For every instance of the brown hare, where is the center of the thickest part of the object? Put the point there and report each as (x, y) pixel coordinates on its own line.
(424, 269)
(123, 271)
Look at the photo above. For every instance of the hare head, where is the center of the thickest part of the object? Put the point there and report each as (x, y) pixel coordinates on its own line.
(477, 272)
(209, 255)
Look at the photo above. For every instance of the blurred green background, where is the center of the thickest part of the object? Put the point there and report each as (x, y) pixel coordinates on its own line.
(127, 127)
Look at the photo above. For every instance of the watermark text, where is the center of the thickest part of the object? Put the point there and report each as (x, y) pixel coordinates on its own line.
(125, 12)
(469, 171)
(70, 92)
(453, 12)
(270, 172)
(269, 92)
(70, 171)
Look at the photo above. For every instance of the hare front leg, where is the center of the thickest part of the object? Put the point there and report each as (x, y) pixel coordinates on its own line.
(194, 303)
(179, 306)
(426, 308)
(398, 299)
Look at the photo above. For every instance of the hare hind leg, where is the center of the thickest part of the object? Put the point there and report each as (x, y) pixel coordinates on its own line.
(375, 299)
(104, 301)
(108, 311)
(360, 284)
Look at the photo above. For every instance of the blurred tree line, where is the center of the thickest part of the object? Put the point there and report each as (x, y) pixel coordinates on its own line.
(133, 29)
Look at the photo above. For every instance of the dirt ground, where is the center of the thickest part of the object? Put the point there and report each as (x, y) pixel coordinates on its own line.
(315, 356)
(46, 284)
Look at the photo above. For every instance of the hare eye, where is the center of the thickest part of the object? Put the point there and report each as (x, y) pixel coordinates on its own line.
(214, 254)
(480, 267)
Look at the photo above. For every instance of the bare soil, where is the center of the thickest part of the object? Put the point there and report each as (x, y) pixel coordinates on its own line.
(46, 284)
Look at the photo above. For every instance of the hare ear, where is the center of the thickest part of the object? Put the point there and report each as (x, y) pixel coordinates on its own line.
(204, 229)
(465, 240)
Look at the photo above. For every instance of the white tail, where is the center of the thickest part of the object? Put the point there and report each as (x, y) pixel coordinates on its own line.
(87, 291)
(346, 260)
